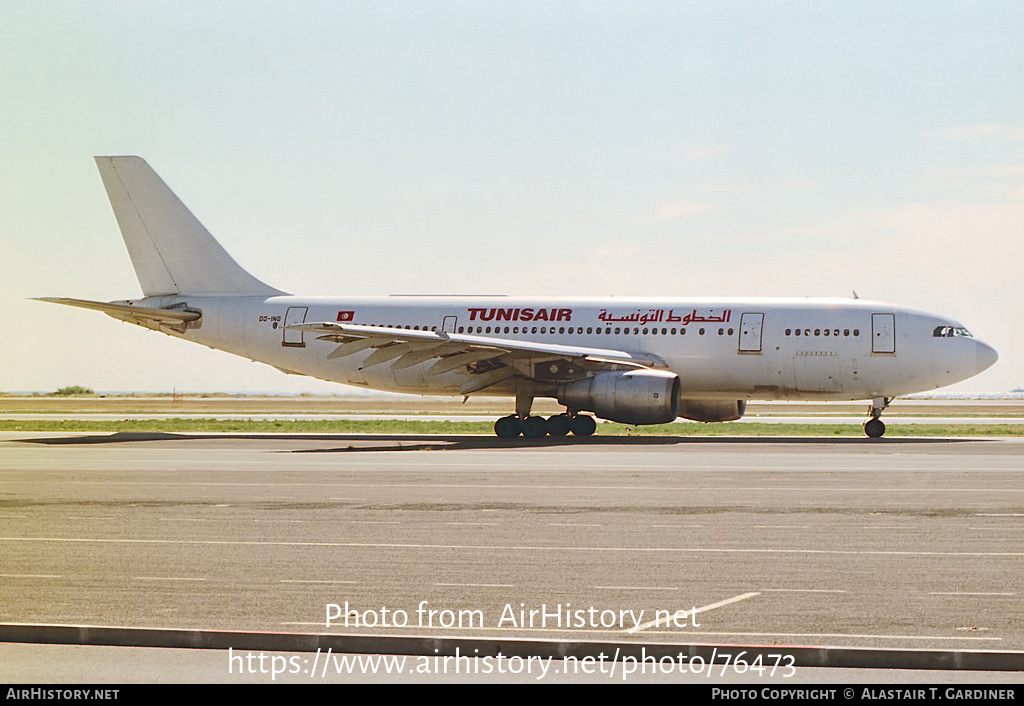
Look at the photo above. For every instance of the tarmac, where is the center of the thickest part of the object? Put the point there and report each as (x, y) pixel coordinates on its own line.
(896, 546)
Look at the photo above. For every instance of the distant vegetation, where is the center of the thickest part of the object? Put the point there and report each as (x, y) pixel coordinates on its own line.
(73, 390)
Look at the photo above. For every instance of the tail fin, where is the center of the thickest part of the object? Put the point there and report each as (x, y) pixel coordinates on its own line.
(171, 250)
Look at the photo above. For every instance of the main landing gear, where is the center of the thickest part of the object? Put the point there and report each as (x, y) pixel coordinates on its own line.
(874, 427)
(536, 427)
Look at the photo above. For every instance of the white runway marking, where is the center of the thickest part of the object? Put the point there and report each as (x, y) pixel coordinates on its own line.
(687, 633)
(166, 578)
(967, 593)
(612, 488)
(705, 609)
(509, 547)
(637, 588)
(478, 585)
(802, 590)
(472, 547)
(193, 519)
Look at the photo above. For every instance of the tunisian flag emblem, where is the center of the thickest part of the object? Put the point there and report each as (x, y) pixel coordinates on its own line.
(346, 315)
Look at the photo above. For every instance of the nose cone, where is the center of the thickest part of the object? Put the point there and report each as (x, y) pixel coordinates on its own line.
(986, 356)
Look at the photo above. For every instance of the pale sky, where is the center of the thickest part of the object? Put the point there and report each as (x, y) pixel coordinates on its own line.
(569, 148)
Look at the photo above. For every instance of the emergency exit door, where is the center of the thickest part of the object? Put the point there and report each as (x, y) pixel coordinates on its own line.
(883, 333)
(294, 315)
(750, 332)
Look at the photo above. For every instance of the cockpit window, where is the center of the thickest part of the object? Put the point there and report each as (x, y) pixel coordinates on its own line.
(950, 332)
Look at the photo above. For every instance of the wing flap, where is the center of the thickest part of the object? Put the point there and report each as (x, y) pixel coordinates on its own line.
(499, 358)
(343, 333)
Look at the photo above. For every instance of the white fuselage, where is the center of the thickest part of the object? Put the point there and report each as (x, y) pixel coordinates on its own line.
(828, 349)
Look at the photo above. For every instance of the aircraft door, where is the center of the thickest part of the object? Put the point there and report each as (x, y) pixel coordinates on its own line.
(883, 333)
(448, 325)
(294, 315)
(750, 332)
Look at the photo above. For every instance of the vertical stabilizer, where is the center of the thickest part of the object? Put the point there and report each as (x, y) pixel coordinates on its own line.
(171, 250)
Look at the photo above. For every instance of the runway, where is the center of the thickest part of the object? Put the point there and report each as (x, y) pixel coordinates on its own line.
(887, 543)
(274, 417)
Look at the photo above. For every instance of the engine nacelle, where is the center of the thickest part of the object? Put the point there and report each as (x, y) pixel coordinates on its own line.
(628, 396)
(712, 410)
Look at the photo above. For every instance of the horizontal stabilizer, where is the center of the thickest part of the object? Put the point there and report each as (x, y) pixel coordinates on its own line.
(144, 316)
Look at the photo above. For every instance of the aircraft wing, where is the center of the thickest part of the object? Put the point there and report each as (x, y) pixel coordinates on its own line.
(488, 359)
(176, 319)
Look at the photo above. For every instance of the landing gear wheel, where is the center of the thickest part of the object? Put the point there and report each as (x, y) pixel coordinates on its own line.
(582, 425)
(535, 427)
(508, 427)
(559, 425)
(874, 428)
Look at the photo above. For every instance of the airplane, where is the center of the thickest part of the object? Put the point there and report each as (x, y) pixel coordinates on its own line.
(630, 360)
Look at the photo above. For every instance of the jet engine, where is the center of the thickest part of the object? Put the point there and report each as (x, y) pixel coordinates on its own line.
(629, 396)
(712, 410)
